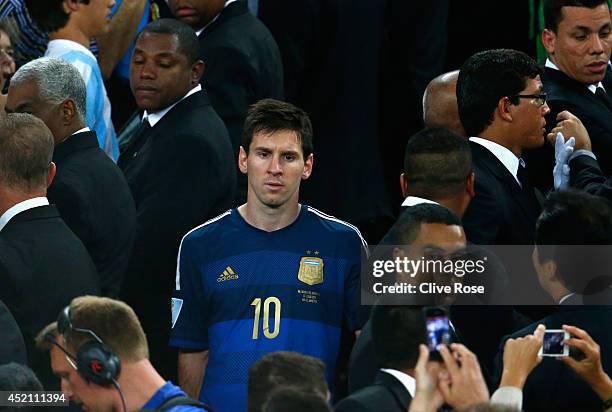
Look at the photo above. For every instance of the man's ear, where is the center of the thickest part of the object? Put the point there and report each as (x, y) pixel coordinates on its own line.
(403, 185)
(51, 173)
(469, 185)
(504, 109)
(70, 6)
(548, 40)
(68, 111)
(308, 166)
(242, 160)
(197, 70)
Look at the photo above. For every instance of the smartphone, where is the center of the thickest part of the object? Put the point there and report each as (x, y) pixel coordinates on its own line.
(554, 343)
(437, 328)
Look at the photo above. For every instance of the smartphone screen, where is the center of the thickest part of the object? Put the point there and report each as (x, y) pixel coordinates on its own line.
(554, 343)
(438, 328)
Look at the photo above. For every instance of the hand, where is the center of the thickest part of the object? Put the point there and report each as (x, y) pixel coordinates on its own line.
(561, 171)
(571, 126)
(464, 385)
(520, 357)
(427, 396)
(589, 368)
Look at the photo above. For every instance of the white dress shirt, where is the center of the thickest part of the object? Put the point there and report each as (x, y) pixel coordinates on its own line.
(155, 117)
(408, 381)
(503, 154)
(21, 207)
(414, 200)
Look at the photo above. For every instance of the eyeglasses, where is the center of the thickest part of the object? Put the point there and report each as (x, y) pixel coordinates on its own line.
(540, 99)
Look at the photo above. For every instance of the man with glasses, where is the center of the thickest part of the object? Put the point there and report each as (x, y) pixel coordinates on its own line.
(502, 107)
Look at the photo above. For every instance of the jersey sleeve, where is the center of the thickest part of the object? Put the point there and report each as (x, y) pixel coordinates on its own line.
(352, 282)
(189, 326)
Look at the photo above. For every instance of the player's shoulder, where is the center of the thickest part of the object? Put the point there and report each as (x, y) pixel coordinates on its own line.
(208, 230)
(335, 226)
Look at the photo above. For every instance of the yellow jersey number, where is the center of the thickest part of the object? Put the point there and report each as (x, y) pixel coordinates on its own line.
(266, 317)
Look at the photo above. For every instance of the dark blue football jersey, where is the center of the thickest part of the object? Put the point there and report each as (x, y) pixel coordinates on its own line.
(242, 292)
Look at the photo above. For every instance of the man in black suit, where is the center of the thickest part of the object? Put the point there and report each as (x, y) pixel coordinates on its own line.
(501, 108)
(566, 272)
(12, 348)
(89, 190)
(43, 265)
(179, 167)
(243, 63)
(578, 39)
(397, 332)
(422, 226)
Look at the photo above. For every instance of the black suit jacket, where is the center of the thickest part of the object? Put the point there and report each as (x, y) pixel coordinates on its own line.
(564, 93)
(43, 266)
(94, 200)
(181, 173)
(552, 386)
(586, 174)
(387, 394)
(12, 348)
(243, 65)
(501, 213)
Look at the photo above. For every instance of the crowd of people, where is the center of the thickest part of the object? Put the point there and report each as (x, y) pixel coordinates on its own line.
(193, 194)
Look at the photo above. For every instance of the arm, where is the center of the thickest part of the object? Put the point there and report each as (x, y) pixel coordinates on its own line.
(521, 357)
(427, 397)
(116, 42)
(191, 371)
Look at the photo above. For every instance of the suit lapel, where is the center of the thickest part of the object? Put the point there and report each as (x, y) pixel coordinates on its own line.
(525, 197)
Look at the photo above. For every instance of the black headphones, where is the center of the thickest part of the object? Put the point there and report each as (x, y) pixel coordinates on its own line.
(95, 361)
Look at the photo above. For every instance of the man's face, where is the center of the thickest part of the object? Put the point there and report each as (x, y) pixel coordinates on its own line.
(529, 116)
(95, 17)
(25, 98)
(196, 13)
(582, 45)
(87, 395)
(275, 166)
(159, 74)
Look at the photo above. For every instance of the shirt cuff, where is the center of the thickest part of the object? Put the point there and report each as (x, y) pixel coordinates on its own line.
(508, 396)
(580, 153)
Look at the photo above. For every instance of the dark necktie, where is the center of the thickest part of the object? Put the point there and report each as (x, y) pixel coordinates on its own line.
(135, 144)
(603, 96)
(521, 174)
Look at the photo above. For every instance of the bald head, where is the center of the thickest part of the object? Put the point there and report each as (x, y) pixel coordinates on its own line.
(440, 103)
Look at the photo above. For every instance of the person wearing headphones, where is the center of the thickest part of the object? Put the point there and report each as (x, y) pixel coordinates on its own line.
(99, 351)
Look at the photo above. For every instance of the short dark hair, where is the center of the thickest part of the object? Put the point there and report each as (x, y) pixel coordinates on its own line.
(16, 377)
(281, 369)
(49, 15)
(295, 400)
(553, 13)
(485, 78)
(187, 40)
(437, 163)
(408, 225)
(575, 231)
(269, 116)
(26, 150)
(397, 332)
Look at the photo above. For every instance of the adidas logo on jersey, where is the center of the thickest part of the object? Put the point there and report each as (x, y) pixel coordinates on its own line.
(228, 274)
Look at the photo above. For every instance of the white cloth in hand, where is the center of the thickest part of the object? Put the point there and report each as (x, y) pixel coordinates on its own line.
(563, 151)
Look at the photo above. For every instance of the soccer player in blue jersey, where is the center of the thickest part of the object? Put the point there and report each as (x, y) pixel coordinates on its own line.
(271, 275)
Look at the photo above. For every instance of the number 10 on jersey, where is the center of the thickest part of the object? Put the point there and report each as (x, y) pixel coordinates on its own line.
(272, 300)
